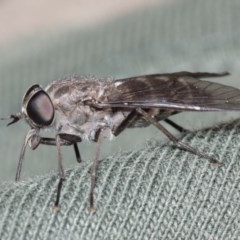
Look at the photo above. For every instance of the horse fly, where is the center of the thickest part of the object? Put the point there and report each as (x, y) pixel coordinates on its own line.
(87, 108)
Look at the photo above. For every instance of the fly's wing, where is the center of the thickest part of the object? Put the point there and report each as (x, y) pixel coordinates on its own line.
(182, 91)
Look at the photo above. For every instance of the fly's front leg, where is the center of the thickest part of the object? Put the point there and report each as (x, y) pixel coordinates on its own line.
(60, 142)
(20, 161)
(52, 142)
(32, 139)
(178, 142)
(61, 173)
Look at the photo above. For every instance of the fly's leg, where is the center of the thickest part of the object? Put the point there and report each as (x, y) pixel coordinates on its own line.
(126, 122)
(133, 116)
(175, 125)
(60, 142)
(59, 189)
(52, 142)
(20, 161)
(176, 141)
(34, 140)
(31, 139)
(77, 153)
(61, 173)
(94, 172)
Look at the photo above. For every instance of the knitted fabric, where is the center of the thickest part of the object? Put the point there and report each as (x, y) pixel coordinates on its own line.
(158, 192)
(150, 191)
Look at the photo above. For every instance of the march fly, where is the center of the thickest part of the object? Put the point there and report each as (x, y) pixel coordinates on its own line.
(88, 108)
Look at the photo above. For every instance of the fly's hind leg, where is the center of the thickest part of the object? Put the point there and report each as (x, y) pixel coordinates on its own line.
(175, 140)
(126, 122)
(175, 125)
(133, 115)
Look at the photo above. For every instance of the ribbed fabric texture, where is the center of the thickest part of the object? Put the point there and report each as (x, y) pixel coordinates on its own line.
(155, 191)
(159, 192)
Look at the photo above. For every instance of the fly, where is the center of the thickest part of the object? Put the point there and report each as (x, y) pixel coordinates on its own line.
(87, 108)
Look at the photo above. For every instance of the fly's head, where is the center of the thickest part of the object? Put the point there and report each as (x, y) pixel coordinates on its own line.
(37, 110)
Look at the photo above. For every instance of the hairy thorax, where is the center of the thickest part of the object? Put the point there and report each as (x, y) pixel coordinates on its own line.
(75, 113)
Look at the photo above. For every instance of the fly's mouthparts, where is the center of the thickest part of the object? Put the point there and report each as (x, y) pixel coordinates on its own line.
(15, 118)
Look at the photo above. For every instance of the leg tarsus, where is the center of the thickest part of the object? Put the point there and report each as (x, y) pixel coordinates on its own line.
(59, 189)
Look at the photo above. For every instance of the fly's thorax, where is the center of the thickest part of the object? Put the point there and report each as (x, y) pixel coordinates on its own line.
(81, 120)
(85, 121)
(74, 111)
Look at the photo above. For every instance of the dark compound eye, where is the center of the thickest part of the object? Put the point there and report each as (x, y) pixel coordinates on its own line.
(40, 109)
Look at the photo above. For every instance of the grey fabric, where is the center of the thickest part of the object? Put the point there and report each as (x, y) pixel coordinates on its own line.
(159, 192)
(149, 189)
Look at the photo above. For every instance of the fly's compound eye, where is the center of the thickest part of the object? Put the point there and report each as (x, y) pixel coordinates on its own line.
(38, 107)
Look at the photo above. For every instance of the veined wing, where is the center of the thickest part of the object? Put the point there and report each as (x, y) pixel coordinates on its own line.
(183, 91)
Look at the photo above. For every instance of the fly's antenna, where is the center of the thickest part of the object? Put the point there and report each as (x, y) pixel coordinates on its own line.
(14, 117)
